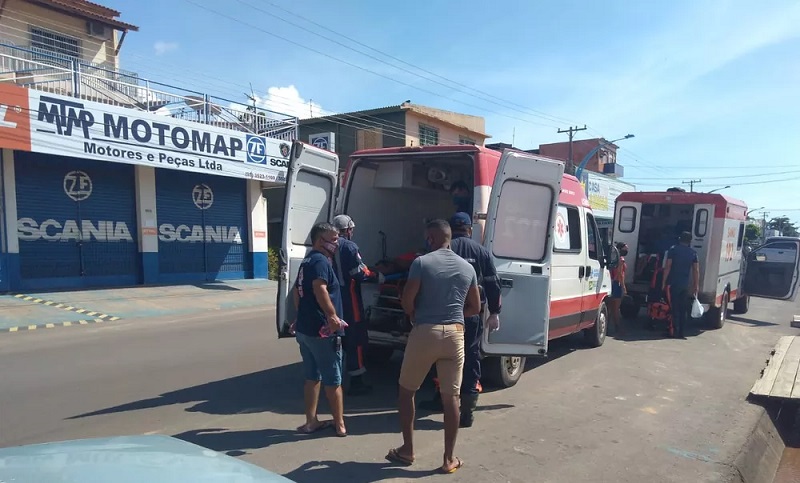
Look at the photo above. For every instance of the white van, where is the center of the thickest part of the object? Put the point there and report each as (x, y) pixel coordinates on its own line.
(535, 221)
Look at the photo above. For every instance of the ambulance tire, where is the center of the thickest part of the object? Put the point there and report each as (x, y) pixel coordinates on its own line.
(741, 305)
(502, 372)
(596, 334)
(716, 316)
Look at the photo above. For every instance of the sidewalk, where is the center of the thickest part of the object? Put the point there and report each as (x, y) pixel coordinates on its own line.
(54, 309)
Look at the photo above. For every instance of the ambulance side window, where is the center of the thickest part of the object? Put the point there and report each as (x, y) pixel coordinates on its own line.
(567, 230)
(627, 219)
(591, 237)
(701, 223)
(740, 240)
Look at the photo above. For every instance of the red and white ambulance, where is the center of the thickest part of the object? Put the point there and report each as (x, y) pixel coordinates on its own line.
(644, 220)
(535, 221)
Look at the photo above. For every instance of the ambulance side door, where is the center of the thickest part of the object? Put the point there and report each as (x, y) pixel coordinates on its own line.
(311, 182)
(773, 270)
(519, 236)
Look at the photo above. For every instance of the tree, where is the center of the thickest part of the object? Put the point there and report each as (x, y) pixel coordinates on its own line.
(752, 232)
(784, 225)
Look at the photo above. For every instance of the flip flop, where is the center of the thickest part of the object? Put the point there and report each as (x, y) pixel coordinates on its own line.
(459, 464)
(322, 425)
(341, 435)
(396, 457)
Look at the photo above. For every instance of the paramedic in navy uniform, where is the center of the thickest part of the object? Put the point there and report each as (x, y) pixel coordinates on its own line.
(682, 275)
(351, 271)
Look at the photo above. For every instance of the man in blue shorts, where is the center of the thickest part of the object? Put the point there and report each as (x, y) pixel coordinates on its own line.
(319, 329)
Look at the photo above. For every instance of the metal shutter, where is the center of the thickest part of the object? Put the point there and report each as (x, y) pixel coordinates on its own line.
(202, 226)
(76, 222)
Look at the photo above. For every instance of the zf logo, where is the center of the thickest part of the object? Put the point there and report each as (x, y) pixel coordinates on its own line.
(256, 150)
(77, 185)
(281, 163)
(202, 196)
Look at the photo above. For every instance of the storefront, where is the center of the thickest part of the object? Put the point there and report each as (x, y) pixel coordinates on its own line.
(97, 195)
(602, 192)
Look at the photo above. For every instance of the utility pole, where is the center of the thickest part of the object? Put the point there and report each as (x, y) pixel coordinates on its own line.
(571, 131)
(764, 227)
(691, 184)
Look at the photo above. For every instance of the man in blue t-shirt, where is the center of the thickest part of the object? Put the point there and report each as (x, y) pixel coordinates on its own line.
(319, 329)
(682, 275)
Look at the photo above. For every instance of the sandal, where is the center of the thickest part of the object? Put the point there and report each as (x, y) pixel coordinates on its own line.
(459, 464)
(322, 425)
(395, 457)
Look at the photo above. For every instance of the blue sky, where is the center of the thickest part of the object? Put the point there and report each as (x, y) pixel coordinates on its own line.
(709, 88)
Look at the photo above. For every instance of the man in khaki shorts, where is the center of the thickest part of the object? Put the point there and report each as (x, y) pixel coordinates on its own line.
(442, 289)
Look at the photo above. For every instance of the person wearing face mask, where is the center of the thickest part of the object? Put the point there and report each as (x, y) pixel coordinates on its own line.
(319, 329)
(462, 199)
(351, 272)
(618, 289)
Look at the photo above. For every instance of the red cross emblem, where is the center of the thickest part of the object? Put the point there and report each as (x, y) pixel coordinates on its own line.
(560, 227)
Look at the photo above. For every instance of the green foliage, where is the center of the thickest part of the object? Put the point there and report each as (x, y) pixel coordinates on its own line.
(274, 263)
(752, 232)
(784, 225)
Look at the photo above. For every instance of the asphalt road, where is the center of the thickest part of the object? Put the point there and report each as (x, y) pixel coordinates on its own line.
(640, 409)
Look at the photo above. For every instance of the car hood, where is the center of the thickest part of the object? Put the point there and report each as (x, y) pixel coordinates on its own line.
(126, 459)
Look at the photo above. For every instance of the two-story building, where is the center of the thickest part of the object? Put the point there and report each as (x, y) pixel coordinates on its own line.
(110, 179)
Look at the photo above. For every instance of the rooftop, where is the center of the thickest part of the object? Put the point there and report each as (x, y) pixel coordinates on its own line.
(87, 10)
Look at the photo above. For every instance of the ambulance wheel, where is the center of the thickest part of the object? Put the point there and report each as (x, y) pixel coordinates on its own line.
(378, 354)
(629, 310)
(718, 315)
(741, 305)
(502, 371)
(596, 334)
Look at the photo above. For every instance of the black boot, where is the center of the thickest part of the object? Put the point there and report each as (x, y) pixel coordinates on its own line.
(469, 403)
(358, 386)
(433, 405)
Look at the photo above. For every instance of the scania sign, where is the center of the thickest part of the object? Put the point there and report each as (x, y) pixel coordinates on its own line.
(168, 232)
(52, 230)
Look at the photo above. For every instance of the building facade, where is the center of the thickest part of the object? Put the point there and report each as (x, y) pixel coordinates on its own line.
(604, 160)
(113, 180)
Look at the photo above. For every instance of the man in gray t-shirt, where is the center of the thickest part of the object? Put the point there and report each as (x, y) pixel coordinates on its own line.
(442, 289)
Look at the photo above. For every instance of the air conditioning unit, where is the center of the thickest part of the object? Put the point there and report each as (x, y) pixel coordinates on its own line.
(97, 29)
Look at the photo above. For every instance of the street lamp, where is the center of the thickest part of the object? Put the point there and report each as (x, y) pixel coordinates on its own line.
(719, 189)
(591, 153)
(747, 214)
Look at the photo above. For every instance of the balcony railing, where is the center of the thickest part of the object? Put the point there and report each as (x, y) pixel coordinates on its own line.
(59, 74)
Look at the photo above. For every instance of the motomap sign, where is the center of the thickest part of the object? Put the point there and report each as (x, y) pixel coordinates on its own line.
(48, 123)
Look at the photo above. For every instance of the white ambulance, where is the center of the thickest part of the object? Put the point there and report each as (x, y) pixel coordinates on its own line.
(644, 220)
(535, 221)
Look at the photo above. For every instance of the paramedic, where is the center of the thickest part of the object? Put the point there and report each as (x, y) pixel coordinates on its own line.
(489, 286)
(317, 297)
(461, 197)
(682, 275)
(351, 271)
(441, 291)
(618, 290)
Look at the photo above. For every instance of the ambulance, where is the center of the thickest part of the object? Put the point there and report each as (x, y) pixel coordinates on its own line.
(535, 221)
(649, 223)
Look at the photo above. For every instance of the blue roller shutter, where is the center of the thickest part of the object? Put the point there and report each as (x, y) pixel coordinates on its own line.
(76, 221)
(202, 227)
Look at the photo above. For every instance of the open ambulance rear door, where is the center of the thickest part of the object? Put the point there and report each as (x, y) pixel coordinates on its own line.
(773, 270)
(311, 183)
(519, 236)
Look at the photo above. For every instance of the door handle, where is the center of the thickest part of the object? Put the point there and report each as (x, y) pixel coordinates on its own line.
(581, 272)
(507, 282)
(588, 271)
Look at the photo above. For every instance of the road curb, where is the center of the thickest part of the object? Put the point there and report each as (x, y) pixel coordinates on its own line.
(759, 458)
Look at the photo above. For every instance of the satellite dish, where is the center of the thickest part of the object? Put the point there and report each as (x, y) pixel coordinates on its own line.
(199, 104)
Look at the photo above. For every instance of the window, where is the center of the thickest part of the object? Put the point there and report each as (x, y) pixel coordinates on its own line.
(310, 189)
(740, 240)
(45, 41)
(567, 236)
(520, 230)
(701, 223)
(627, 219)
(591, 237)
(428, 136)
(369, 138)
(466, 140)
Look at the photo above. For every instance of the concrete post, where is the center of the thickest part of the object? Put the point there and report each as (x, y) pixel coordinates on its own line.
(257, 208)
(147, 219)
(10, 276)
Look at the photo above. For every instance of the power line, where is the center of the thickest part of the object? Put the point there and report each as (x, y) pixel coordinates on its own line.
(571, 131)
(721, 177)
(691, 183)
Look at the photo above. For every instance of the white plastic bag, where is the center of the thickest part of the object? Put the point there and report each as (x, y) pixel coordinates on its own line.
(697, 309)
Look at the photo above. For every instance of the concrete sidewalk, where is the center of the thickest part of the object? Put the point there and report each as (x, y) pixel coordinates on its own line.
(57, 309)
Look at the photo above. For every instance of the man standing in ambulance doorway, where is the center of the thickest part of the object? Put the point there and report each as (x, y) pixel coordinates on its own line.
(352, 271)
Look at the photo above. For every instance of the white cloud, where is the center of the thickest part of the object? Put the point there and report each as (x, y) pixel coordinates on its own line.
(162, 47)
(286, 100)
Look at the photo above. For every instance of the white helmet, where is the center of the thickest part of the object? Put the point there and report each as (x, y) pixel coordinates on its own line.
(343, 222)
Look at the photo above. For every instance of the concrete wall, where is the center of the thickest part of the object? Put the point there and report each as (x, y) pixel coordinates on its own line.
(580, 148)
(18, 16)
(448, 134)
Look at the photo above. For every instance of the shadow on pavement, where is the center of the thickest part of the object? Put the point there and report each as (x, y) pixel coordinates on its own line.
(747, 322)
(216, 286)
(352, 472)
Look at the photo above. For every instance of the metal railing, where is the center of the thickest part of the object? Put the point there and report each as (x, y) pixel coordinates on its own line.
(60, 74)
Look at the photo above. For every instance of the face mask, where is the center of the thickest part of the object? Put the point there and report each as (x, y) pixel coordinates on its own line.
(330, 247)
